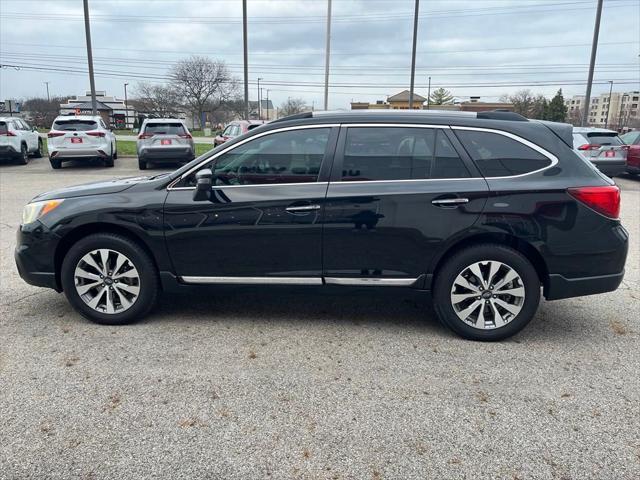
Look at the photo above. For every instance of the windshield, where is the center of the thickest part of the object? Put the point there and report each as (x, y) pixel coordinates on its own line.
(74, 125)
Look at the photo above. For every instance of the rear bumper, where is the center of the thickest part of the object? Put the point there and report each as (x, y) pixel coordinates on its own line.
(167, 154)
(34, 257)
(68, 154)
(9, 151)
(560, 287)
(611, 168)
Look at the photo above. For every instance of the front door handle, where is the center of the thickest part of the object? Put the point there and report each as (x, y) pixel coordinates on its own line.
(303, 208)
(449, 202)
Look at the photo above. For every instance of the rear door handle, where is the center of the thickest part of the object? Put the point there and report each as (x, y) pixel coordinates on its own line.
(303, 208)
(450, 202)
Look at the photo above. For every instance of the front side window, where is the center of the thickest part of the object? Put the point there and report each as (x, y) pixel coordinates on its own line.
(500, 156)
(399, 153)
(293, 156)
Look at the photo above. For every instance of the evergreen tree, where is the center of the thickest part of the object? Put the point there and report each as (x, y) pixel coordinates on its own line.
(440, 96)
(557, 110)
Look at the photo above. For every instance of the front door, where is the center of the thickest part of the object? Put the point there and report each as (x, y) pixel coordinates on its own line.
(396, 194)
(262, 221)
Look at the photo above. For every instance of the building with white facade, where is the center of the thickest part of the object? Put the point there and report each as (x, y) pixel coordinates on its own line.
(112, 109)
(620, 112)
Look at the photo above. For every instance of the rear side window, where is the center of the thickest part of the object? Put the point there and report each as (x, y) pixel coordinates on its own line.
(399, 153)
(75, 125)
(165, 128)
(604, 139)
(500, 156)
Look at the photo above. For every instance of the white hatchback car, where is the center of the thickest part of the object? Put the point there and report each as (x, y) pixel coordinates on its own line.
(81, 137)
(18, 140)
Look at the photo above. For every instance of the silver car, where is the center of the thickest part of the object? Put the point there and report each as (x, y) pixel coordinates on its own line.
(603, 148)
(164, 140)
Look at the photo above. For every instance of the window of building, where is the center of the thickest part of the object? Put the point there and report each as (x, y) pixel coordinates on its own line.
(498, 156)
(401, 153)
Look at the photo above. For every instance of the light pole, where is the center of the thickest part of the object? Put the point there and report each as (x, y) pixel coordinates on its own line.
(606, 119)
(126, 107)
(268, 112)
(87, 33)
(592, 63)
(413, 53)
(48, 98)
(327, 54)
(259, 106)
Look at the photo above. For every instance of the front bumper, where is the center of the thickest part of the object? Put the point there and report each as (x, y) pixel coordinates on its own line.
(34, 255)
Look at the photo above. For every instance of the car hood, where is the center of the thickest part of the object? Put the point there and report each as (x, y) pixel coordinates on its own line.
(95, 188)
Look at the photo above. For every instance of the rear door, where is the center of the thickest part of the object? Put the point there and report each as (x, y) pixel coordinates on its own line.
(396, 194)
(74, 134)
(166, 135)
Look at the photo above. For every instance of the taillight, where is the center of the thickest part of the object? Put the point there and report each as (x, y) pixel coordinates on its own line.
(142, 136)
(54, 134)
(7, 134)
(604, 200)
(95, 134)
(185, 135)
(589, 146)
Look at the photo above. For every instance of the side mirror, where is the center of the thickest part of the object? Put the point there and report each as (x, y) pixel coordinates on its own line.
(203, 185)
(34, 129)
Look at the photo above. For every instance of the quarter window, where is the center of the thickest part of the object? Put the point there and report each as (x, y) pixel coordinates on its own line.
(500, 156)
(399, 153)
(293, 156)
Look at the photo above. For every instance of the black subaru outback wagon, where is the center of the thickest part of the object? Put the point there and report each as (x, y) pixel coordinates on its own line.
(484, 210)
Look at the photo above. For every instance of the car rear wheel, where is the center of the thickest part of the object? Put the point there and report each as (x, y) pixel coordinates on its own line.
(38, 152)
(486, 292)
(142, 164)
(115, 152)
(56, 163)
(109, 279)
(23, 159)
(108, 161)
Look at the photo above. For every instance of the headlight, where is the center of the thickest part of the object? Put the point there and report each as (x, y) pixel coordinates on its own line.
(34, 211)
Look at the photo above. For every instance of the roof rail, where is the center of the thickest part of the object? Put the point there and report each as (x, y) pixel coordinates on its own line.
(297, 116)
(502, 114)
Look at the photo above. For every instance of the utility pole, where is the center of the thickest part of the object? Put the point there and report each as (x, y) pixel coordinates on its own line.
(259, 106)
(126, 107)
(48, 98)
(413, 53)
(606, 119)
(592, 64)
(327, 53)
(268, 112)
(429, 95)
(246, 60)
(87, 32)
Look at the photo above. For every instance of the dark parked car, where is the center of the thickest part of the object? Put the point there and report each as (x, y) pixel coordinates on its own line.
(632, 140)
(235, 129)
(483, 210)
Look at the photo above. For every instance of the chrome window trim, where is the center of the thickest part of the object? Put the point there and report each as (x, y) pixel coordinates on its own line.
(252, 280)
(235, 145)
(218, 187)
(395, 125)
(550, 156)
(370, 282)
(413, 180)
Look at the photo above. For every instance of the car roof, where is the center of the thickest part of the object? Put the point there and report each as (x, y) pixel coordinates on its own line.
(8, 119)
(163, 120)
(593, 130)
(78, 117)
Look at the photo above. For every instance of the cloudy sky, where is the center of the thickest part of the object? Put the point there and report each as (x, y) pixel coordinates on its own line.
(471, 47)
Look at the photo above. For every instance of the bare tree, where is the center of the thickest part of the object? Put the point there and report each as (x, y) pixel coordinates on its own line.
(42, 111)
(574, 117)
(523, 101)
(199, 80)
(292, 106)
(159, 100)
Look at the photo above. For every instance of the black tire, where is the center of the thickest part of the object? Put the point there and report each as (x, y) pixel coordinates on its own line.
(23, 159)
(115, 153)
(56, 163)
(446, 276)
(108, 161)
(38, 152)
(148, 278)
(142, 164)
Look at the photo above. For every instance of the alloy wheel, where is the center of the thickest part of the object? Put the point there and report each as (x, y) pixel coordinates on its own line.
(487, 294)
(107, 281)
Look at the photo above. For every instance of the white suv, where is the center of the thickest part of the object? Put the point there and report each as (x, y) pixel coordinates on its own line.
(18, 140)
(80, 136)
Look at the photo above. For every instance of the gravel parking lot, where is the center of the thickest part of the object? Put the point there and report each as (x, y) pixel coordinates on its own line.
(289, 384)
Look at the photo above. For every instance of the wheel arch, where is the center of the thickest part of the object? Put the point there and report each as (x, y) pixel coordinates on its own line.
(82, 231)
(518, 244)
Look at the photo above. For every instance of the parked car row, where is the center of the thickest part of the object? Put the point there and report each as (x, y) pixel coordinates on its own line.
(18, 140)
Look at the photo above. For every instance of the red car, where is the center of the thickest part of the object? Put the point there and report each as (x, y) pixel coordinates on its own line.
(235, 129)
(633, 155)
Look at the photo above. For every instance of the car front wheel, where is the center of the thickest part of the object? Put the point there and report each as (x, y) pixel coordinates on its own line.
(109, 279)
(486, 292)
